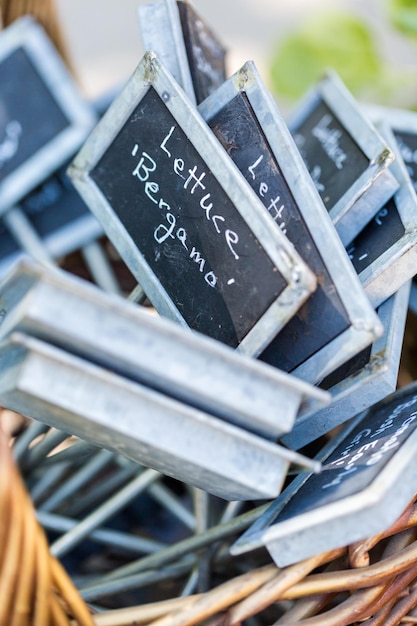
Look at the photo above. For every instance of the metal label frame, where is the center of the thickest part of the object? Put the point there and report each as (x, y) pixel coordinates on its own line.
(151, 74)
(27, 35)
(398, 263)
(161, 30)
(364, 325)
(69, 236)
(376, 185)
(109, 411)
(353, 517)
(364, 386)
(67, 311)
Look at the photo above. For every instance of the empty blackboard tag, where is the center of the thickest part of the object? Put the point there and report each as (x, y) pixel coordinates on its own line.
(184, 219)
(368, 477)
(337, 321)
(106, 329)
(188, 48)
(43, 119)
(384, 254)
(56, 212)
(364, 380)
(345, 155)
(107, 410)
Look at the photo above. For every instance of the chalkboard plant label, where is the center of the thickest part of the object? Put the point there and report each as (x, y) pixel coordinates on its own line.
(43, 119)
(57, 215)
(184, 219)
(337, 321)
(109, 411)
(402, 124)
(125, 338)
(362, 381)
(55, 211)
(384, 254)
(346, 157)
(368, 477)
(187, 47)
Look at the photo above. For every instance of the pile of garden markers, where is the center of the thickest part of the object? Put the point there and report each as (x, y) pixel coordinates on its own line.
(278, 255)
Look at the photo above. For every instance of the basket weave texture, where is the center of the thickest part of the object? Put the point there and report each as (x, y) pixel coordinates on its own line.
(373, 582)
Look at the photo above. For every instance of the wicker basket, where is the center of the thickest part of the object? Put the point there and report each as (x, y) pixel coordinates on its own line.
(372, 582)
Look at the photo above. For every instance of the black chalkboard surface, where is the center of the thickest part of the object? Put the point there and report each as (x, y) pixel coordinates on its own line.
(333, 157)
(205, 54)
(55, 206)
(43, 120)
(183, 250)
(383, 254)
(249, 127)
(360, 455)
(368, 477)
(57, 215)
(377, 237)
(25, 129)
(398, 219)
(236, 126)
(346, 157)
(56, 210)
(184, 219)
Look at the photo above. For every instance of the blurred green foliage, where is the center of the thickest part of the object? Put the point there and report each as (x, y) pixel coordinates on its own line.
(348, 44)
(336, 40)
(403, 15)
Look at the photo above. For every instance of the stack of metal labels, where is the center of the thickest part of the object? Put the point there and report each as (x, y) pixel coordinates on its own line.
(97, 366)
(288, 248)
(363, 190)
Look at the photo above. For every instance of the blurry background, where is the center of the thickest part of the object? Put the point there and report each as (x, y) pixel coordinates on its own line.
(372, 44)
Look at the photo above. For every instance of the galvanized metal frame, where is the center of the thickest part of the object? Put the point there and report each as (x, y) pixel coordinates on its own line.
(398, 263)
(26, 34)
(161, 31)
(61, 242)
(398, 120)
(73, 235)
(350, 519)
(108, 330)
(151, 73)
(364, 324)
(108, 410)
(358, 391)
(376, 185)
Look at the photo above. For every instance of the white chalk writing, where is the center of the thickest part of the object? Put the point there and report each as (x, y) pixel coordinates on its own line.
(329, 139)
(10, 144)
(348, 459)
(195, 184)
(274, 205)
